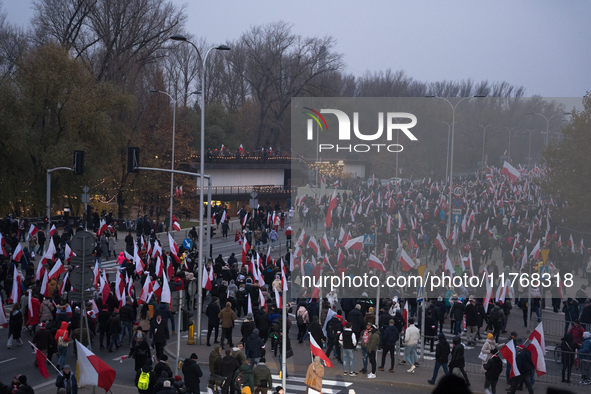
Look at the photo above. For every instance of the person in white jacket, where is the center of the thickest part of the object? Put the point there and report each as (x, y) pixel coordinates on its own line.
(411, 339)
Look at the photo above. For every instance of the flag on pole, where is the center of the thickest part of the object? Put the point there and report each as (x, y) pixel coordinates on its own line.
(537, 348)
(15, 294)
(3, 320)
(405, 315)
(32, 231)
(317, 351)
(511, 172)
(93, 370)
(509, 353)
(375, 263)
(52, 230)
(406, 261)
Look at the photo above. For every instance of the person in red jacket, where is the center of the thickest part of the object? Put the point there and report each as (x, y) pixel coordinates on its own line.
(33, 314)
(61, 336)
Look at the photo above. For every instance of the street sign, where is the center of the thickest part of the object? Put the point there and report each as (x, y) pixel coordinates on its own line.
(85, 198)
(85, 189)
(458, 191)
(76, 278)
(456, 218)
(457, 202)
(187, 243)
(192, 288)
(456, 211)
(368, 240)
(420, 293)
(83, 243)
(545, 253)
(253, 195)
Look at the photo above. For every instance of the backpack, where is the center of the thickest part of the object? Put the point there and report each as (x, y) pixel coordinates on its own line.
(300, 318)
(239, 381)
(495, 315)
(143, 382)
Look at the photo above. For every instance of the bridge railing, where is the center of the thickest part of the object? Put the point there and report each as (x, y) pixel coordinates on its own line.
(275, 189)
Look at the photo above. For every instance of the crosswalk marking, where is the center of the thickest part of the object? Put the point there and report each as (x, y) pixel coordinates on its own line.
(337, 383)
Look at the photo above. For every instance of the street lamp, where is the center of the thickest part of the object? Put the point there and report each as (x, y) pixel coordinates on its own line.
(179, 37)
(510, 130)
(484, 141)
(451, 161)
(528, 131)
(447, 155)
(174, 101)
(548, 121)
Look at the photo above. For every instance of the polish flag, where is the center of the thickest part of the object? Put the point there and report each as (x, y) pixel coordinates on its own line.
(120, 288)
(205, 281)
(313, 244)
(278, 299)
(146, 290)
(411, 243)
(52, 231)
(400, 225)
(102, 228)
(571, 244)
(44, 288)
(2, 250)
(166, 295)
(284, 276)
(32, 231)
(449, 266)
(488, 295)
(93, 370)
(241, 150)
(174, 249)
(524, 259)
(301, 238)
(63, 285)
(374, 262)
(537, 348)
(105, 289)
(245, 247)
(224, 216)
(49, 253)
(175, 224)
(96, 273)
(406, 261)
(15, 294)
(41, 358)
(470, 263)
(509, 353)
(262, 301)
(511, 172)
(324, 242)
(57, 270)
(139, 264)
(18, 253)
(340, 257)
(439, 244)
(317, 351)
(331, 206)
(405, 315)
(536, 251)
(249, 309)
(69, 253)
(245, 220)
(355, 243)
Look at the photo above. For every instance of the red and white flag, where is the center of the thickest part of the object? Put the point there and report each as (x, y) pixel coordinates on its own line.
(166, 295)
(317, 351)
(324, 241)
(175, 224)
(313, 244)
(488, 295)
(278, 300)
(241, 150)
(205, 281)
(63, 285)
(375, 263)
(509, 353)
(511, 172)
(331, 206)
(102, 228)
(536, 252)
(301, 238)
(406, 261)
(245, 247)
(355, 243)
(17, 255)
(57, 270)
(93, 370)
(32, 231)
(3, 320)
(52, 231)
(15, 294)
(44, 288)
(537, 348)
(438, 242)
(174, 249)
(405, 315)
(69, 253)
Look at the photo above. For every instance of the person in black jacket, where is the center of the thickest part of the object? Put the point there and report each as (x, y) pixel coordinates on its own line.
(213, 322)
(127, 316)
(192, 372)
(162, 366)
(355, 317)
(456, 314)
(103, 318)
(315, 330)
(140, 350)
(228, 365)
(262, 321)
(493, 367)
(333, 331)
(471, 312)
(159, 334)
(114, 324)
(442, 351)
(457, 358)
(525, 367)
(253, 346)
(389, 340)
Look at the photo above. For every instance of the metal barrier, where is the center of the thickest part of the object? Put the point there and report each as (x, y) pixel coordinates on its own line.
(275, 189)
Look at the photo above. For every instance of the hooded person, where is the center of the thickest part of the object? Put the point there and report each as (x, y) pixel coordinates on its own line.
(192, 373)
(63, 340)
(457, 358)
(442, 351)
(67, 381)
(145, 379)
(253, 346)
(140, 350)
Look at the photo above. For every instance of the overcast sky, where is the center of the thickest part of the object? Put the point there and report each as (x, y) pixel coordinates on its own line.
(542, 45)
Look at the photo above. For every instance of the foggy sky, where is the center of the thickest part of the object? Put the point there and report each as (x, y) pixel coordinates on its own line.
(542, 45)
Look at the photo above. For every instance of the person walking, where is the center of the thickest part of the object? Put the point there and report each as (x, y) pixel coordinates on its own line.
(348, 341)
(314, 375)
(568, 348)
(302, 320)
(145, 379)
(67, 381)
(159, 334)
(227, 316)
(526, 367)
(15, 326)
(493, 368)
(442, 351)
(140, 350)
(213, 321)
(63, 340)
(261, 375)
(487, 347)
(373, 343)
(363, 342)
(411, 339)
(457, 358)
(389, 341)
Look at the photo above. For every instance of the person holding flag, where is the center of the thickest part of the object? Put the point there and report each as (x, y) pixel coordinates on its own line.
(314, 375)
(525, 367)
(67, 381)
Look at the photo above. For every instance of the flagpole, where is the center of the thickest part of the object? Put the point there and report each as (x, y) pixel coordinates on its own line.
(284, 338)
(46, 359)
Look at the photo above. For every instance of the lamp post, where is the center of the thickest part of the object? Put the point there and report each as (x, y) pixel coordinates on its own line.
(447, 155)
(510, 130)
(451, 161)
(174, 101)
(548, 121)
(179, 37)
(484, 141)
(528, 131)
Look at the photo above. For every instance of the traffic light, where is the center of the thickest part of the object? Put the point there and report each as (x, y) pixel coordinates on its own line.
(78, 162)
(133, 159)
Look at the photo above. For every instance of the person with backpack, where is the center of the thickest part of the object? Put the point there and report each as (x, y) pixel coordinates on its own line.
(497, 319)
(493, 368)
(145, 379)
(192, 372)
(442, 351)
(261, 375)
(333, 332)
(243, 378)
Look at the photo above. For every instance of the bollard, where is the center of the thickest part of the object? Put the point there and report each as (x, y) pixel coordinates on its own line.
(191, 338)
